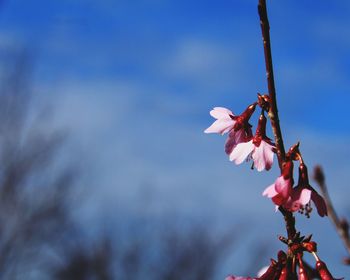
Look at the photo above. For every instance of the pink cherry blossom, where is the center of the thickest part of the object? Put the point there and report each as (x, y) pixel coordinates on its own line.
(262, 155)
(303, 184)
(224, 121)
(301, 196)
(298, 199)
(259, 148)
(293, 199)
(280, 191)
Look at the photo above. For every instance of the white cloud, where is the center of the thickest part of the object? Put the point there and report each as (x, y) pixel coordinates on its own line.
(130, 146)
(208, 65)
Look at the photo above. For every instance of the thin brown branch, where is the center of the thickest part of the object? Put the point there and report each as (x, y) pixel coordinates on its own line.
(273, 112)
(290, 222)
(340, 225)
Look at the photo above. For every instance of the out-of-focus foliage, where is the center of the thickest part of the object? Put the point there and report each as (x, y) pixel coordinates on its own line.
(33, 210)
(38, 237)
(169, 254)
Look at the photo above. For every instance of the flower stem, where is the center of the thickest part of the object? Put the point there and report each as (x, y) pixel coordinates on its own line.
(273, 112)
(290, 222)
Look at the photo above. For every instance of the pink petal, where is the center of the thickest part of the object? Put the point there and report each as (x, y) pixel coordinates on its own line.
(283, 186)
(235, 138)
(277, 198)
(268, 155)
(320, 203)
(304, 196)
(299, 197)
(221, 126)
(241, 151)
(270, 191)
(220, 113)
(280, 191)
(263, 156)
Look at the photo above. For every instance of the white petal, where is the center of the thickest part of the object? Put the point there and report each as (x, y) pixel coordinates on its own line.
(258, 157)
(241, 151)
(268, 154)
(234, 138)
(270, 191)
(220, 113)
(220, 126)
(263, 156)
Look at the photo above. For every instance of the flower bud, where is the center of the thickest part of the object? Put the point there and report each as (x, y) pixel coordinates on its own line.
(323, 271)
(287, 272)
(282, 257)
(293, 152)
(310, 246)
(287, 170)
(242, 120)
(261, 129)
(272, 272)
(302, 272)
(303, 176)
(264, 101)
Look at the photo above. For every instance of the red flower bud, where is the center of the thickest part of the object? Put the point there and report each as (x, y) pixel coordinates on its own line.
(284, 274)
(243, 119)
(302, 272)
(272, 272)
(287, 272)
(310, 246)
(303, 176)
(287, 170)
(248, 112)
(282, 257)
(323, 271)
(293, 152)
(261, 129)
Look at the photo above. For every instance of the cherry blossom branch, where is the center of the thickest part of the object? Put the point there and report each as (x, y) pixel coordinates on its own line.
(341, 225)
(242, 144)
(273, 112)
(290, 222)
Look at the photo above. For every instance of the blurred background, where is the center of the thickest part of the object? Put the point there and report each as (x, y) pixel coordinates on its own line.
(105, 170)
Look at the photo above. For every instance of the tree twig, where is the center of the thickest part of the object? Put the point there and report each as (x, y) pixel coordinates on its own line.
(341, 225)
(273, 112)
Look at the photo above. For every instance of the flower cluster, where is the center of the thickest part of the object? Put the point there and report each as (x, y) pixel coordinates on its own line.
(284, 267)
(242, 145)
(295, 198)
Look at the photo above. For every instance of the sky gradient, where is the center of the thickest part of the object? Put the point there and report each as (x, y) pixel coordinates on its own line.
(134, 81)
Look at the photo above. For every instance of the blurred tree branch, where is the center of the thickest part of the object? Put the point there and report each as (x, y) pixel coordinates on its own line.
(33, 198)
(341, 225)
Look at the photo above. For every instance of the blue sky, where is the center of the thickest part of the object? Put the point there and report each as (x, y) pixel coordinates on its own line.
(134, 82)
